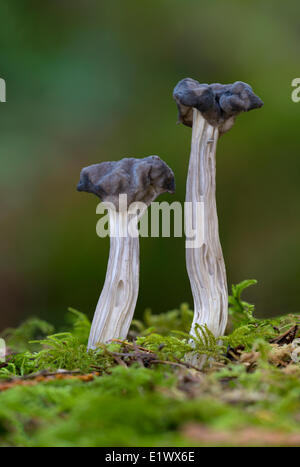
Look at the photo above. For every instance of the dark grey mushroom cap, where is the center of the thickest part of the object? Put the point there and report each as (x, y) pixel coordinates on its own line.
(218, 103)
(140, 179)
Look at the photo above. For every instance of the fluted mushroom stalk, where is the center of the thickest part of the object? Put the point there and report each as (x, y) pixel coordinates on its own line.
(115, 308)
(210, 110)
(127, 187)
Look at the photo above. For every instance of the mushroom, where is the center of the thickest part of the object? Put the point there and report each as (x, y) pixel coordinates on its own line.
(211, 111)
(127, 187)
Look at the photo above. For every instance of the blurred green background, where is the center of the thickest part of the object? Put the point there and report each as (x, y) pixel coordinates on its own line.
(89, 81)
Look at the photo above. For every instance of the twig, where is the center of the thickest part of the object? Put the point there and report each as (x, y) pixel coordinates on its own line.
(119, 341)
(44, 373)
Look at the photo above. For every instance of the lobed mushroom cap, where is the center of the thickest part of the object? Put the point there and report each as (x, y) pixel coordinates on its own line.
(140, 179)
(218, 103)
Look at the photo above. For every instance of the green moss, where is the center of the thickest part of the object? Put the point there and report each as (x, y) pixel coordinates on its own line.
(133, 405)
(34, 328)
(164, 323)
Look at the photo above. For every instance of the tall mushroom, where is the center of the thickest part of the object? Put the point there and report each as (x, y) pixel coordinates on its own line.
(121, 185)
(211, 111)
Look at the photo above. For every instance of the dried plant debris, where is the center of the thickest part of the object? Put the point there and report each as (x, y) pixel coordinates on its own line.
(287, 337)
(245, 437)
(45, 376)
(55, 393)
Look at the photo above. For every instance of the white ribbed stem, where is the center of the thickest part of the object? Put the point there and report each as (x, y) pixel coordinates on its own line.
(118, 298)
(205, 264)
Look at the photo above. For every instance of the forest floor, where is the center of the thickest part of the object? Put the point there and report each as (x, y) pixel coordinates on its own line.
(144, 391)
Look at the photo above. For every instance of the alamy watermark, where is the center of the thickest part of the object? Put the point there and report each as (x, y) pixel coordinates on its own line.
(2, 90)
(2, 350)
(296, 92)
(169, 219)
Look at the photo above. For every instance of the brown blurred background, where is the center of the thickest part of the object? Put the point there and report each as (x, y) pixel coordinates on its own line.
(89, 81)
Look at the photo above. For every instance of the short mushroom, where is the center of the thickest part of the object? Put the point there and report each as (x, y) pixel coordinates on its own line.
(211, 111)
(123, 186)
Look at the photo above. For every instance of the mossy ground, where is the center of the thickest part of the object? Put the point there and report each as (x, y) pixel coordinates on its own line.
(143, 392)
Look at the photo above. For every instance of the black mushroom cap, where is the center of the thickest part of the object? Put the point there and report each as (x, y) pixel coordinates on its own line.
(140, 179)
(218, 103)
